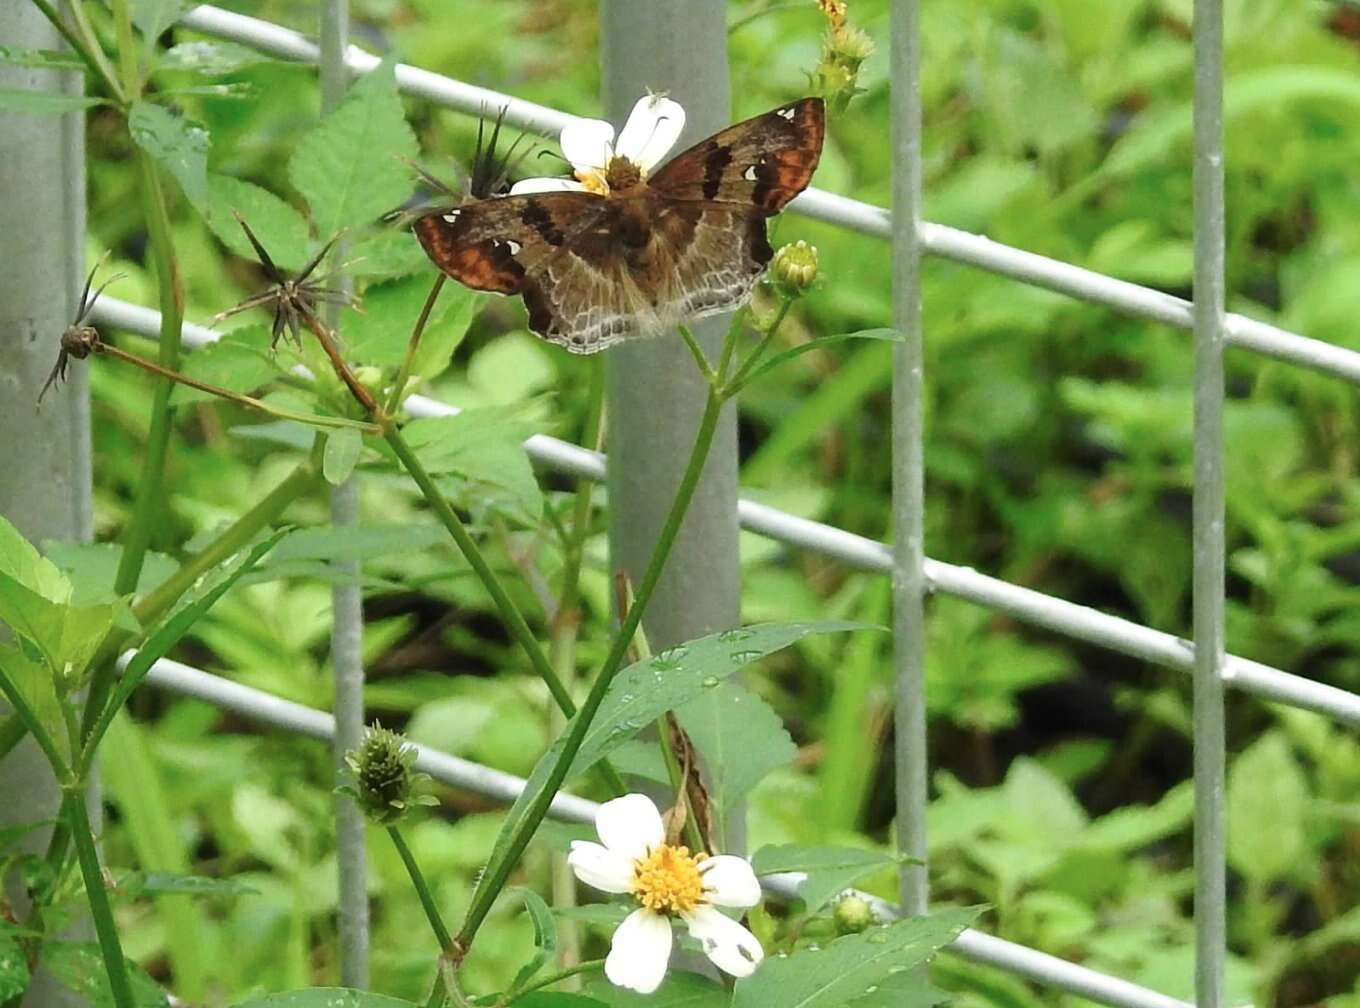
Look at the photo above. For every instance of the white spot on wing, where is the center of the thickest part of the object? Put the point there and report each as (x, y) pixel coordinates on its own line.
(514, 246)
(749, 174)
(786, 113)
(452, 217)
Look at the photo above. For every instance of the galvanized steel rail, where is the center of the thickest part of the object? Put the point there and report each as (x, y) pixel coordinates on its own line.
(914, 574)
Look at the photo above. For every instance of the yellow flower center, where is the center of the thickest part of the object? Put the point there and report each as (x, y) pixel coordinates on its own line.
(668, 881)
(620, 173)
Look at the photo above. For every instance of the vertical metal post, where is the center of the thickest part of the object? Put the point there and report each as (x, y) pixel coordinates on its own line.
(656, 394)
(1210, 853)
(347, 613)
(908, 450)
(44, 454)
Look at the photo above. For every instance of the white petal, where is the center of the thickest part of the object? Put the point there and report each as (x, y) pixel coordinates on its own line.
(600, 868)
(727, 944)
(651, 130)
(640, 952)
(630, 826)
(588, 143)
(533, 185)
(729, 881)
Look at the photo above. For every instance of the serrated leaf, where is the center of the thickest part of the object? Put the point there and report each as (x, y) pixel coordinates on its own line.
(324, 997)
(483, 446)
(79, 966)
(280, 228)
(43, 102)
(240, 362)
(65, 635)
(457, 307)
(93, 569)
(210, 58)
(381, 332)
(545, 935)
(349, 167)
(41, 59)
(678, 990)
(848, 967)
(891, 335)
(388, 256)
(829, 870)
(741, 739)
(177, 145)
(645, 690)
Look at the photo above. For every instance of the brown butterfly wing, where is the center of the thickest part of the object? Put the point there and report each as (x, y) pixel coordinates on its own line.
(493, 244)
(762, 163)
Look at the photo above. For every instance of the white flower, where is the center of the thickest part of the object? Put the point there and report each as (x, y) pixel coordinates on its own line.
(667, 882)
(601, 164)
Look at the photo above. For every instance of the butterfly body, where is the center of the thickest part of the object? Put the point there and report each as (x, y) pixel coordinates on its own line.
(597, 267)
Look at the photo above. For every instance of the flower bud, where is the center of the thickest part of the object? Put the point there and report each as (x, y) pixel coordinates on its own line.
(850, 46)
(384, 781)
(794, 268)
(853, 914)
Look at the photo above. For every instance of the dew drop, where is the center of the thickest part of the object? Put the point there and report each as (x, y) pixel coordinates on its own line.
(709, 681)
(878, 938)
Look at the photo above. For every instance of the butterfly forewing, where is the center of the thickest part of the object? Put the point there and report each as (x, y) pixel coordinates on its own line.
(763, 162)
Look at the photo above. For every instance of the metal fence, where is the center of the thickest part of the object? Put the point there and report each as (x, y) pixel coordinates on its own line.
(915, 575)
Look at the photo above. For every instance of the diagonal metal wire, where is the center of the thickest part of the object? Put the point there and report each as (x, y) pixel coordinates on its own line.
(1025, 604)
(936, 239)
(264, 708)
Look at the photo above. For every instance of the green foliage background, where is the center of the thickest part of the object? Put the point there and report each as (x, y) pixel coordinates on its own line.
(1058, 457)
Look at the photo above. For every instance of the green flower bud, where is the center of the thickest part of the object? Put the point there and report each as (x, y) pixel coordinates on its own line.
(853, 914)
(383, 775)
(849, 46)
(794, 268)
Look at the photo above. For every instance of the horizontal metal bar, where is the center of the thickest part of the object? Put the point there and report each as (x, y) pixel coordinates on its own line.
(265, 708)
(1025, 604)
(937, 239)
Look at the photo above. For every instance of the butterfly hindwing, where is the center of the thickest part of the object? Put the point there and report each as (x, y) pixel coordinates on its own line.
(763, 162)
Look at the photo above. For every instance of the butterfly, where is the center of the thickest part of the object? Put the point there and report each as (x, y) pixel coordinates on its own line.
(622, 253)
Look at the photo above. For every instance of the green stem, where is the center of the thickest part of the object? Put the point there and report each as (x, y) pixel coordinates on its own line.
(589, 966)
(150, 487)
(509, 611)
(127, 47)
(441, 933)
(522, 830)
(734, 386)
(86, 48)
(33, 725)
(675, 772)
(100, 911)
(412, 345)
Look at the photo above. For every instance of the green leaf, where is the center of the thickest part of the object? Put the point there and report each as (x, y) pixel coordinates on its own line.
(349, 167)
(240, 361)
(644, 691)
(381, 332)
(457, 306)
(341, 454)
(740, 737)
(1268, 797)
(850, 966)
(176, 625)
(555, 999)
(324, 997)
(829, 870)
(387, 256)
(136, 884)
(65, 635)
(153, 17)
(907, 989)
(41, 59)
(483, 446)
(212, 59)
(43, 102)
(890, 335)
(93, 569)
(31, 684)
(13, 967)
(21, 560)
(678, 990)
(280, 228)
(79, 966)
(545, 935)
(354, 545)
(178, 145)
